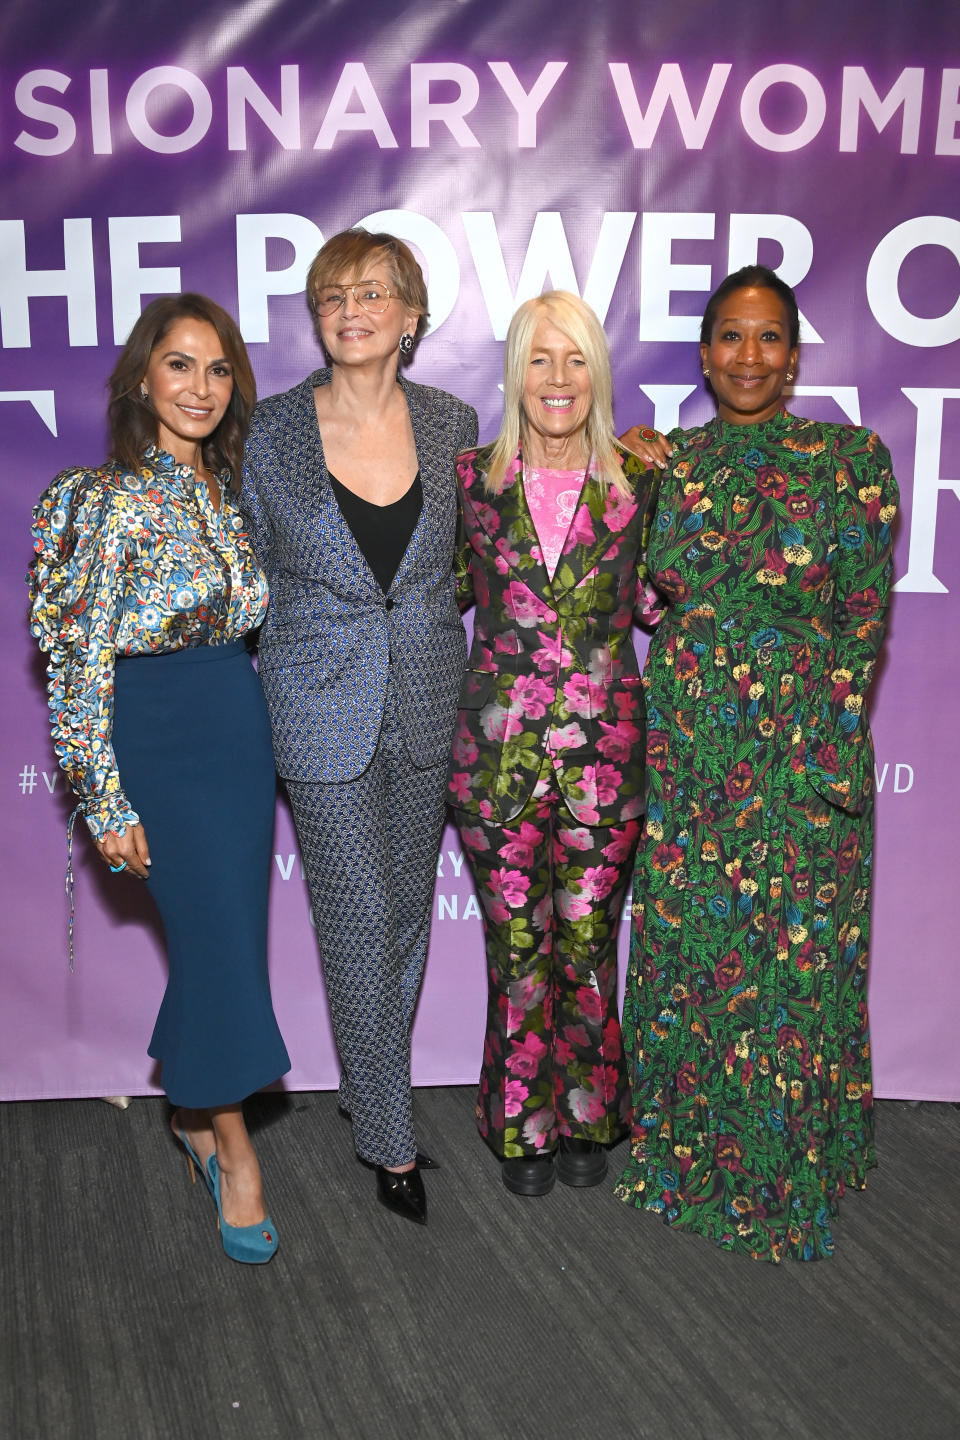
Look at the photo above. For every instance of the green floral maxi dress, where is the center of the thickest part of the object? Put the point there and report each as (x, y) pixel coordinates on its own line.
(745, 1016)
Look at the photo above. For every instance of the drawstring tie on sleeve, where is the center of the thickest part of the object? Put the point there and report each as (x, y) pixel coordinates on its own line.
(68, 884)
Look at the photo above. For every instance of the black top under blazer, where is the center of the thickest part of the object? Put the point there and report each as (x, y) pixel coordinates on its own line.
(331, 635)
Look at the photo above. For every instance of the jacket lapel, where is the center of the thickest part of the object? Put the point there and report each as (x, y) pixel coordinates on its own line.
(590, 535)
(307, 458)
(515, 536)
(318, 503)
(437, 488)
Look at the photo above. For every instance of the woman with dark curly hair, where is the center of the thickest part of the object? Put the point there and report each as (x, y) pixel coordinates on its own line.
(745, 1017)
(143, 589)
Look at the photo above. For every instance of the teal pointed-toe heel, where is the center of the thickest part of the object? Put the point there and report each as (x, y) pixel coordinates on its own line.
(194, 1163)
(247, 1244)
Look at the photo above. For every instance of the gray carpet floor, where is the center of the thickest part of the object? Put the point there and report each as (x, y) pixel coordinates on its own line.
(567, 1316)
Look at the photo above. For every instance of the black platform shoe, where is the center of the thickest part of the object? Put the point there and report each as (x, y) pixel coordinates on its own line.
(403, 1193)
(530, 1174)
(581, 1162)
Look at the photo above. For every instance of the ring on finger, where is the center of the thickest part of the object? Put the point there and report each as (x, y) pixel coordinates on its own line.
(647, 434)
(115, 869)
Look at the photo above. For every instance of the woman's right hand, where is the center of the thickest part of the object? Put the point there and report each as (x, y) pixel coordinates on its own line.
(652, 447)
(130, 847)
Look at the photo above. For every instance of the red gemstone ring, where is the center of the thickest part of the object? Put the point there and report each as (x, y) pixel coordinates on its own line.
(647, 434)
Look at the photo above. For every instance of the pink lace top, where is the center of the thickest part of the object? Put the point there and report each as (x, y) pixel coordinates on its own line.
(552, 497)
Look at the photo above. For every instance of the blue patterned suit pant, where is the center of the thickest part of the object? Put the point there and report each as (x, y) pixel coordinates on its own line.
(369, 847)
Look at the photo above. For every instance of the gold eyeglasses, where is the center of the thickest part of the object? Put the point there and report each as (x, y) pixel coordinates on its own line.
(368, 294)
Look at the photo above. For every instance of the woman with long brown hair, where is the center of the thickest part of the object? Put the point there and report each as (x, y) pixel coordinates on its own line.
(142, 591)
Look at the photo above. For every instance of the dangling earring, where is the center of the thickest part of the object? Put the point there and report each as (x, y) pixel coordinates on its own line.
(143, 391)
(406, 344)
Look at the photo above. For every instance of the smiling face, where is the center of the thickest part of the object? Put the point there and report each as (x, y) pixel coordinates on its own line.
(189, 382)
(557, 396)
(749, 355)
(355, 336)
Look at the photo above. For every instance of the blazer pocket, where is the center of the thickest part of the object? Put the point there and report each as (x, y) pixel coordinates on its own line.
(293, 654)
(298, 682)
(475, 689)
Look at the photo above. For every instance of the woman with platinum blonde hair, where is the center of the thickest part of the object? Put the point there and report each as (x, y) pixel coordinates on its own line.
(568, 314)
(548, 761)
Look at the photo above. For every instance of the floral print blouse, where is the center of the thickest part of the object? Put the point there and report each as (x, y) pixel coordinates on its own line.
(552, 497)
(129, 564)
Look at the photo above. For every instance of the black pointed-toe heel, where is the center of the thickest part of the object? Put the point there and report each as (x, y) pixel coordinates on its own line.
(402, 1193)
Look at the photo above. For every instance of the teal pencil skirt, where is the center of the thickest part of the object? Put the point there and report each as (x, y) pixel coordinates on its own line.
(192, 742)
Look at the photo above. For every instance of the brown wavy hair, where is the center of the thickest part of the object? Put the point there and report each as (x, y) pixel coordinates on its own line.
(132, 420)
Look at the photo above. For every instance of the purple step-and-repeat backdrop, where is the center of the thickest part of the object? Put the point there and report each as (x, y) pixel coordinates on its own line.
(632, 153)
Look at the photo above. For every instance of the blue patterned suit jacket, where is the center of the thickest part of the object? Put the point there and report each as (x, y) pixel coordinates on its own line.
(330, 633)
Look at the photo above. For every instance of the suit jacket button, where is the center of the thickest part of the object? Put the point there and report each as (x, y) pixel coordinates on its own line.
(388, 603)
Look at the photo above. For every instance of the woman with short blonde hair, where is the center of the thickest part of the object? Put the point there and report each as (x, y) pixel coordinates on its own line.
(353, 252)
(350, 495)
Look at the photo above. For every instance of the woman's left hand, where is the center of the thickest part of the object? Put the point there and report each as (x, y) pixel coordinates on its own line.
(128, 851)
(652, 447)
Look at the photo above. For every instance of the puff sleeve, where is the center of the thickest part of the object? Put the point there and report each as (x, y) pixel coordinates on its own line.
(75, 585)
(839, 759)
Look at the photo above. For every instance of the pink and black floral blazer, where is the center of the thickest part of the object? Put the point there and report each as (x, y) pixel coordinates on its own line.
(552, 679)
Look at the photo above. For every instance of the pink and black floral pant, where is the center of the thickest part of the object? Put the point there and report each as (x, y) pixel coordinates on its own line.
(552, 892)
